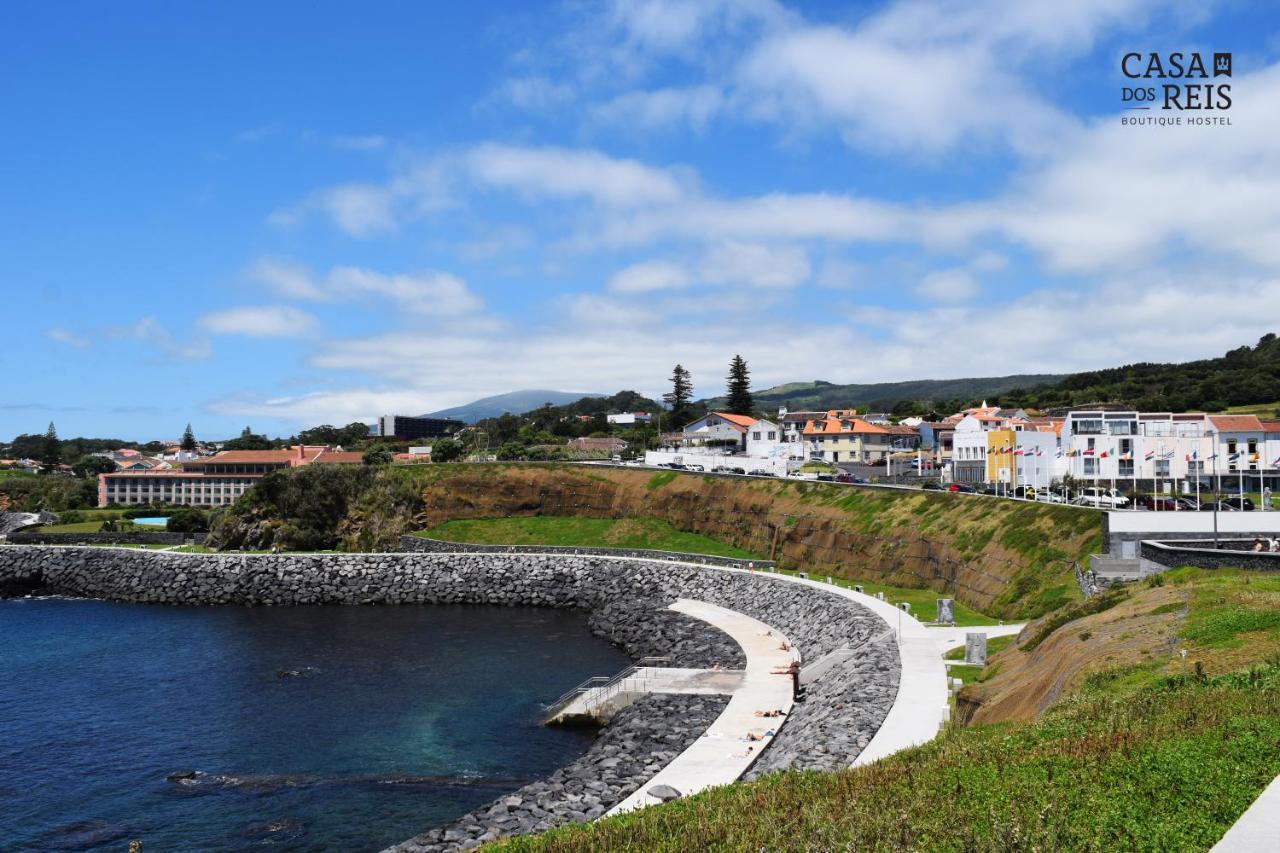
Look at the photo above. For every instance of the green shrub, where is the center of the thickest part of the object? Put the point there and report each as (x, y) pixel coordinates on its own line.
(190, 520)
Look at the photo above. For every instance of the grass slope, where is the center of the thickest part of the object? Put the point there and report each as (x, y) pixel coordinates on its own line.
(1167, 768)
(651, 533)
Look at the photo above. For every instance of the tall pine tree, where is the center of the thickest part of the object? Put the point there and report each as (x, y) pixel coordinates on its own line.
(188, 439)
(680, 395)
(739, 400)
(50, 450)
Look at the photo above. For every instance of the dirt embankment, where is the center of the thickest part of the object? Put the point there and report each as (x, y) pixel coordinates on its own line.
(1006, 558)
(1139, 634)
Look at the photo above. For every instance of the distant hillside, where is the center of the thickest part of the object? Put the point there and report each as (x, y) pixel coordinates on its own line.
(821, 395)
(515, 402)
(1246, 376)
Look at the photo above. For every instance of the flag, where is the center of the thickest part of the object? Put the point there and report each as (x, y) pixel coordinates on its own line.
(1039, 451)
(1058, 454)
(1151, 454)
(1253, 457)
(1088, 451)
(1168, 455)
(1195, 454)
(1102, 455)
(1212, 456)
(1018, 452)
(1233, 457)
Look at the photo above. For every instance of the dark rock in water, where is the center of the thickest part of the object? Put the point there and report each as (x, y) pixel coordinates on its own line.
(280, 828)
(666, 793)
(183, 776)
(84, 834)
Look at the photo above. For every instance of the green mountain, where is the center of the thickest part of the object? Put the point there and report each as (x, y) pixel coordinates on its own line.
(514, 402)
(1245, 376)
(884, 396)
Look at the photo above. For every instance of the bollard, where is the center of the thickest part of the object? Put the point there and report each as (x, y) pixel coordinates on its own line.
(880, 595)
(829, 580)
(857, 587)
(905, 606)
(804, 575)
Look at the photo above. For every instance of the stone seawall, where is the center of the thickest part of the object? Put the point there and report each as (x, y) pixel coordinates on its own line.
(627, 598)
(126, 537)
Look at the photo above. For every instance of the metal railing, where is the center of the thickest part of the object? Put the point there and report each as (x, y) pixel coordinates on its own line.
(605, 688)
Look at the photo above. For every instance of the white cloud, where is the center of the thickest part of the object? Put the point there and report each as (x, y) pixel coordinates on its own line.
(573, 173)
(694, 106)
(755, 265)
(950, 285)
(150, 331)
(534, 93)
(65, 336)
(650, 276)
(329, 406)
(261, 321)
(360, 210)
(430, 293)
(285, 278)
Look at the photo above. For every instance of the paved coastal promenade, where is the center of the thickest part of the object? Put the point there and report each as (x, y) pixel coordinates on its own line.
(723, 754)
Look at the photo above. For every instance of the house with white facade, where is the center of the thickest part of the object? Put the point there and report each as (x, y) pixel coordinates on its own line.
(764, 439)
(718, 429)
(629, 418)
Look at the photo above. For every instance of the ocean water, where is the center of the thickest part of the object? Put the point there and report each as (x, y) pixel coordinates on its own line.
(387, 720)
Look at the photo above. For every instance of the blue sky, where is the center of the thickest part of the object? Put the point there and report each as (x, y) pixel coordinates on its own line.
(289, 214)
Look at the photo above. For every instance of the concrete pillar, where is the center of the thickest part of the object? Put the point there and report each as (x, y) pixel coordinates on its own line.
(946, 611)
(857, 587)
(975, 649)
(880, 595)
(905, 606)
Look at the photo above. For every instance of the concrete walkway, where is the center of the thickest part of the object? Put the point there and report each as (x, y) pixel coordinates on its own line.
(723, 754)
(920, 708)
(1258, 829)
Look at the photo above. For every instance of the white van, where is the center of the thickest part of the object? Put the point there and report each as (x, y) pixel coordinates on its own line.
(1101, 498)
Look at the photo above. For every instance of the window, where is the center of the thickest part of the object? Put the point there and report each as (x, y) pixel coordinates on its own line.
(1126, 445)
(1126, 468)
(1162, 467)
(755, 435)
(1090, 466)
(1195, 468)
(773, 435)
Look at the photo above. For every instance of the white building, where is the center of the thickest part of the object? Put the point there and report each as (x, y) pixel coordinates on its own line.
(629, 418)
(764, 439)
(718, 429)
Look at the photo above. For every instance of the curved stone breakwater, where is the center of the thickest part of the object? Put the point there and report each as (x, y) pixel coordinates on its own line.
(627, 598)
(639, 741)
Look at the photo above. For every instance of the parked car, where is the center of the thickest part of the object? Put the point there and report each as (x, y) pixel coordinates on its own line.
(1236, 505)
(827, 478)
(737, 470)
(933, 486)
(1027, 492)
(1190, 504)
(695, 468)
(962, 488)
(1050, 497)
(1101, 498)
(1159, 504)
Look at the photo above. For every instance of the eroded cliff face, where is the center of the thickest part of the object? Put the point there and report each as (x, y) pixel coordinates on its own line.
(1006, 558)
(1002, 557)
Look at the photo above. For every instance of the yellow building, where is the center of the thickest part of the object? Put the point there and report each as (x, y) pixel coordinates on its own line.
(1002, 462)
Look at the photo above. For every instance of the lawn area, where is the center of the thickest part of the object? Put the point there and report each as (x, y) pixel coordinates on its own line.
(924, 602)
(77, 527)
(1166, 768)
(651, 533)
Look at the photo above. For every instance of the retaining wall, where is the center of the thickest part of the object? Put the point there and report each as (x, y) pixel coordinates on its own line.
(135, 537)
(1171, 555)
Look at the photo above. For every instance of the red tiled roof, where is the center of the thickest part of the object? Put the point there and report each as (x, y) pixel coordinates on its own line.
(1237, 423)
(243, 457)
(835, 426)
(1271, 426)
(739, 420)
(339, 457)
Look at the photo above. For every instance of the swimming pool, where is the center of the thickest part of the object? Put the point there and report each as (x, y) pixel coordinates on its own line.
(155, 521)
